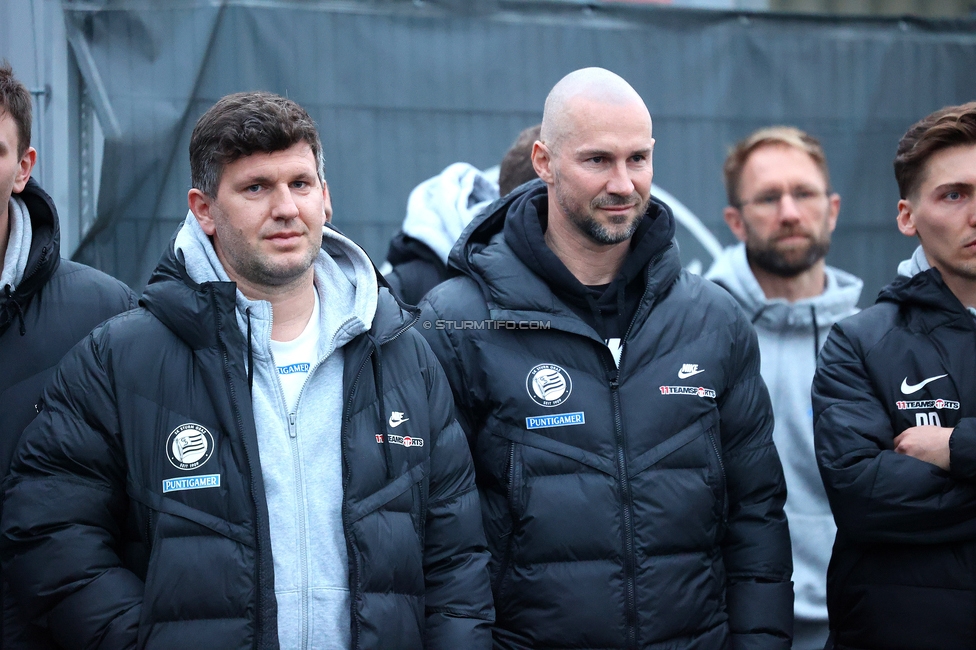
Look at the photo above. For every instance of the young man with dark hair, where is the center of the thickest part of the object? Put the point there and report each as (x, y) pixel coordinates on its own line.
(782, 210)
(46, 304)
(895, 416)
(622, 433)
(280, 466)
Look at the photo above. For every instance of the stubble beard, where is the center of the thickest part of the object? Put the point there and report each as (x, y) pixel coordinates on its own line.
(596, 231)
(266, 273)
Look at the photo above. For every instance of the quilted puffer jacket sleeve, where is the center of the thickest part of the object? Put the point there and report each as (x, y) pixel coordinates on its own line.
(64, 499)
(459, 603)
(446, 343)
(756, 547)
(877, 495)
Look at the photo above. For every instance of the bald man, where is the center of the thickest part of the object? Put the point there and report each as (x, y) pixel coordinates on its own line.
(621, 431)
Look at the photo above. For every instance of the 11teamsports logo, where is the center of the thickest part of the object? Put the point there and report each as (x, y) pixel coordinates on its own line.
(927, 404)
(688, 390)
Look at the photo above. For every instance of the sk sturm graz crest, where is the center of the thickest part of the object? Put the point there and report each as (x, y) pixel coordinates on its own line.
(548, 385)
(189, 446)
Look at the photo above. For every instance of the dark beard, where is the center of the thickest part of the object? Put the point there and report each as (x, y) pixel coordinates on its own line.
(772, 261)
(597, 232)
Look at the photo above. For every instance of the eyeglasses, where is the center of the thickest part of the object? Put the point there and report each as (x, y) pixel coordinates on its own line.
(803, 197)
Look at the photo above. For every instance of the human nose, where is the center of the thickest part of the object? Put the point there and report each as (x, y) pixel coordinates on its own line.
(620, 182)
(789, 208)
(283, 206)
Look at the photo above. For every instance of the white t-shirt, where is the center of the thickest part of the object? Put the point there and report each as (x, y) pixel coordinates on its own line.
(294, 359)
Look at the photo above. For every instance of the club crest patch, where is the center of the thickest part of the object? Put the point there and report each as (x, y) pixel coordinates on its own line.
(548, 385)
(189, 446)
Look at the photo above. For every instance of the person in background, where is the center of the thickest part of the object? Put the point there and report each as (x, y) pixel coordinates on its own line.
(894, 401)
(782, 211)
(622, 434)
(47, 304)
(516, 167)
(439, 209)
(265, 453)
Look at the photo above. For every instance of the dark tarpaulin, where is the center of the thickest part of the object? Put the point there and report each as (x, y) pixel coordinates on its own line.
(402, 89)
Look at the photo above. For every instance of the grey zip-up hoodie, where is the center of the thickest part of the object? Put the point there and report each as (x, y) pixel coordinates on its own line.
(300, 451)
(790, 336)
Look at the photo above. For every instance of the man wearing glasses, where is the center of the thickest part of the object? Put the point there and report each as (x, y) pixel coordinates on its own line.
(782, 211)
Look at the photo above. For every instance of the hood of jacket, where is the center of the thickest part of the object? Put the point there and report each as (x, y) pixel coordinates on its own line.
(189, 291)
(439, 208)
(529, 279)
(838, 301)
(44, 256)
(921, 285)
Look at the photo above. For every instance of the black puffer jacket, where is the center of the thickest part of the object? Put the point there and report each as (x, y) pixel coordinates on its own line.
(416, 268)
(93, 547)
(639, 508)
(903, 571)
(53, 308)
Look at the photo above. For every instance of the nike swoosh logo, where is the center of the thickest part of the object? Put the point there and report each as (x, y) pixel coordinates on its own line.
(684, 375)
(908, 389)
(396, 423)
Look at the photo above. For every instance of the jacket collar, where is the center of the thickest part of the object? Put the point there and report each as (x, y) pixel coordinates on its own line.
(45, 252)
(194, 310)
(515, 292)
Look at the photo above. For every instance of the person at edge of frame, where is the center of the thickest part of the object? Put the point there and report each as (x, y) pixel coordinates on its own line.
(894, 401)
(47, 304)
(265, 454)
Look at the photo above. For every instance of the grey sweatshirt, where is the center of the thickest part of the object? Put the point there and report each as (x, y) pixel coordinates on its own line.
(18, 244)
(300, 451)
(787, 341)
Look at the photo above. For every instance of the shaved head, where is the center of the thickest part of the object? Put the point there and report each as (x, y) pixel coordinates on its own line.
(584, 86)
(594, 154)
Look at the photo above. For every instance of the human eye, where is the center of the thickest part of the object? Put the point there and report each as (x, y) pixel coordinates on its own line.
(596, 160)
(804, 194)
(300, 185)
(253, 189)
(952, 195)
(768, 199)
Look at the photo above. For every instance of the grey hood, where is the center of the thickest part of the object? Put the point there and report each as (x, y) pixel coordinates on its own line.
(839, 299)
(344, 279)
(439, 208)
(18, 244)
(914, 264)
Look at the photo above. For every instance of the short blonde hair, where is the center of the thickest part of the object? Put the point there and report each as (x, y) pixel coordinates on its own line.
(788, 136)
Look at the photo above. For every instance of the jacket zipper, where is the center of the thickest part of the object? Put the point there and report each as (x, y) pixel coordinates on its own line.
(721, 467)
(629, 556)
(630, 560)
(510, 543)
(250, 464)
(302, 524)
(40, 264)
(299, 493)
(350, 551)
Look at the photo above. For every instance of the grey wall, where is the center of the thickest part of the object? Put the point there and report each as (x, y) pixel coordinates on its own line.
(402, 89)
